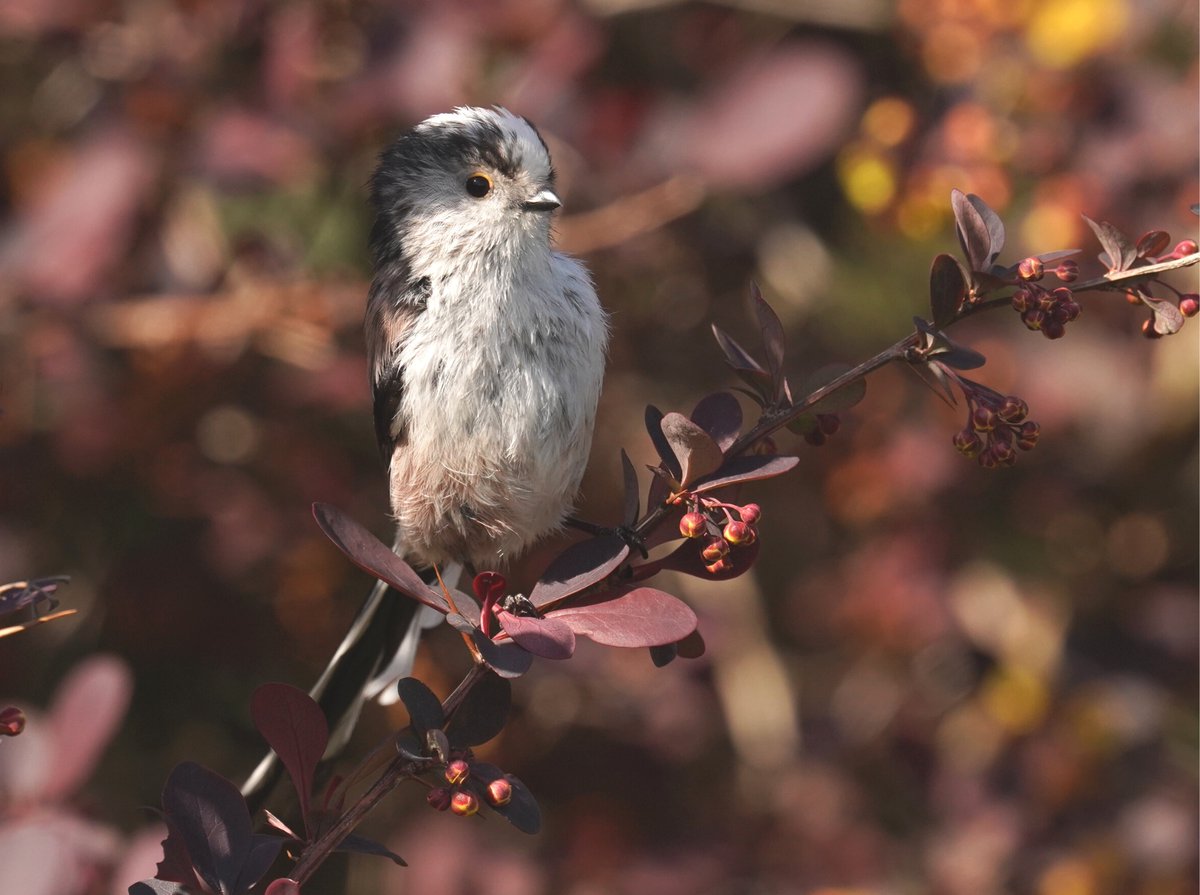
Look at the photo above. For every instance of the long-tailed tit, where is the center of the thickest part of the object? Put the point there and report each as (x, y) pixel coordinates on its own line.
(486, 350)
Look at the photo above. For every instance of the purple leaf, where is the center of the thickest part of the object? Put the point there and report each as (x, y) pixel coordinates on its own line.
(654, 419)
(1050, 257)
(214, 823)
(642, 616)
(295, 727)
(633, 498)
(771, 331)
(363, 846)
(995, 227)
(423, 706)
(961, 358)
(522, 809)
(746, 469)
(545, 637)
(176, 865)
(947, 289)
(658, 491)
(698, 454)
(1168, 319)
(579, 566)
(662, 656)
(977, 238)
(720, 415)
(482, 714)
(1119, 252)
(747, 368)
(506, 659)
(369, 553)
(692, 646)
(687, 559)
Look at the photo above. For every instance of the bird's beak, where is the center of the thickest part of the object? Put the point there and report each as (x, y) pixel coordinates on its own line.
(545, 200)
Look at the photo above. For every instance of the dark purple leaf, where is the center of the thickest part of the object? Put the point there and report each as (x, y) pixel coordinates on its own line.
(995, 227)
(772, 337)
(482, 714)
(545, 637)
(579, 566)
(662, 656)
(278, 824)
(687, 559)
(361, 845)
(38, 593)
(692, 646)
(506, 659)
(746, 469)
(720, 415)
(261, 855)
(698, 454)
(747, 368)
(295, 728)
(1119, 252)
(658, 491)
(642, 616)
(654, 418)
(947, 289)
(424, 708)
(211, 817)
(176, 865)
(977, 232)
(437, 744)
(1050, 257)
(371, 555)
(961, 358)
(521, 811)
(633, 498)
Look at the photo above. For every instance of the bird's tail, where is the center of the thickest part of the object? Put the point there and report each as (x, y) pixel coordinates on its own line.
(377, 651)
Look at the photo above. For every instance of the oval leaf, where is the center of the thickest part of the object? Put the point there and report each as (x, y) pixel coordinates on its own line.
(666, 455)
(632, 493)
(579, 566)
(642, 616)
(371, 555)
(746, 469)
(295, 728)
(482, 714)
(720, 415)
(698, 454)
(545, 637)
(947, 289)
(687, 559)
(424, 708)
(772, 336)
(506, 659)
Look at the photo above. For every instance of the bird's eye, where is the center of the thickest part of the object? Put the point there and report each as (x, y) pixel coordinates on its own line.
(479, 185)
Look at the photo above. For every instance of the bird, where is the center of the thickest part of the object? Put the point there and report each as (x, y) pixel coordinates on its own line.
(486, 350)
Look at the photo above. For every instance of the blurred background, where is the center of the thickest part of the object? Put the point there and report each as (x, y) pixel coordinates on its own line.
(937, 679)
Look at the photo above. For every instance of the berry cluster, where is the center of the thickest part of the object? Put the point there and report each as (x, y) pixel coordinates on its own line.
(1151, 249)
(724, 526)
(996, 426)
(1043, 310)
(468, 790)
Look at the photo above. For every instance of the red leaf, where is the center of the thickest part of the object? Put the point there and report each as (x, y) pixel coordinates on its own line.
(639, 617)
(88, 707)
(369, 553)
(545, 637)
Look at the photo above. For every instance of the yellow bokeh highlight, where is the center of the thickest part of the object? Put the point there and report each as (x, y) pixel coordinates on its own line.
(1062, 33)
(1015, 698)
(868, 179)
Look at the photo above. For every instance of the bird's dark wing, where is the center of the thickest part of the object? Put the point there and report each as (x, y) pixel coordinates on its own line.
(392, 307)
